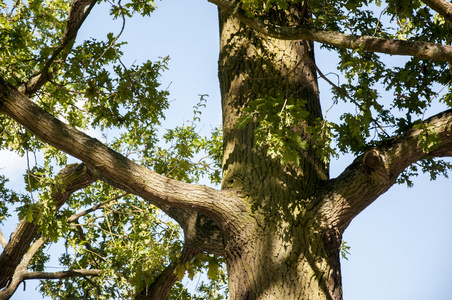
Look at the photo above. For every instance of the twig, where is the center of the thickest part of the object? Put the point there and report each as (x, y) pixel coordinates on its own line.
(96, 207)
(115, 39)
(343, 93)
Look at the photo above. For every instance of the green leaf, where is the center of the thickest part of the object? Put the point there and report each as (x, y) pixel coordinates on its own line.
(180, 272)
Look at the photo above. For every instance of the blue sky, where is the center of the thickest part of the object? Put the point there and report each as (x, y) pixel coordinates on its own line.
(401, 245)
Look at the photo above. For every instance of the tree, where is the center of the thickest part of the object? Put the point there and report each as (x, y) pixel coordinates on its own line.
(278, 219)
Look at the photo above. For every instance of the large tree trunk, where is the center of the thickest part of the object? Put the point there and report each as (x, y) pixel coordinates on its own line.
(282, 252)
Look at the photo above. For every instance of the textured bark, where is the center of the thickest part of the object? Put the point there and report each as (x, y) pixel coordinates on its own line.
(282, 252)
(418, 49)
(253, 66)
(297, 263)
(73, 177)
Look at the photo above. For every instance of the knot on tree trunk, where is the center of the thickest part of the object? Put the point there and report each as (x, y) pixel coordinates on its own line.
(372, 161)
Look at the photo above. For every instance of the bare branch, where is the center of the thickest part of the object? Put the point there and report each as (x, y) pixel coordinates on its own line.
(75, 217)
(442, 7)
(374, 172)
(344, 94)
(12, 287)
(418, 49)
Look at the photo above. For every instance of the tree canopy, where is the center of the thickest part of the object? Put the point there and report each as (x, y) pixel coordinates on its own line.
(133, 195)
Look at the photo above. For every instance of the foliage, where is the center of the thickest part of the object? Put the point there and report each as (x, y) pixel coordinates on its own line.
(124, 236)
(185, 144)
(278, 122)
(92, 89)
(7, 196)
(345, 250)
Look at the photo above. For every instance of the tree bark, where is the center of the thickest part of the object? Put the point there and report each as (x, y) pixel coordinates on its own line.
(282, 252)
(344, 197)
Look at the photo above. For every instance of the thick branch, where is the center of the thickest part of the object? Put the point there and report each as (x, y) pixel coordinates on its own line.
(73, 177)
(114, 167)
(442, 7)
(10, 290)
(418, 49)
(374, 172)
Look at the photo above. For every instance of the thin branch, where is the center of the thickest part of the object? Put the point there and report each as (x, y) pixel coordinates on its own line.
(87, 244)
(343, 93)
(113, 43)
(379, 20)
(75, 217)
(418, 49)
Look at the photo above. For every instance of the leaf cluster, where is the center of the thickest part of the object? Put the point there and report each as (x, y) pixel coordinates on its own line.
(282, 129)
